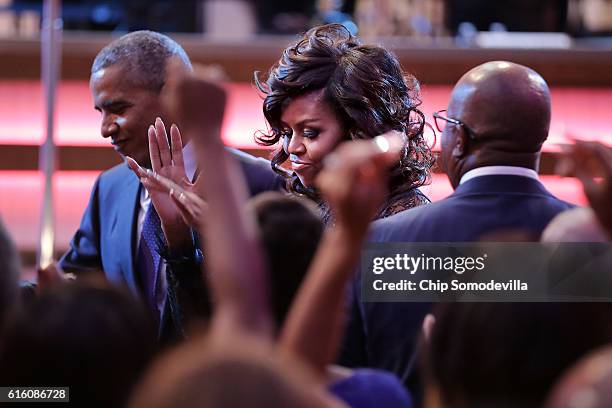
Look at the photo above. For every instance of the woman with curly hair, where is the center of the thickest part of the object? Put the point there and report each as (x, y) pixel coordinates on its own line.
(328, 87)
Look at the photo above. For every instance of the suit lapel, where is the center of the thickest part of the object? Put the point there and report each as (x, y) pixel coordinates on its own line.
(127, 219)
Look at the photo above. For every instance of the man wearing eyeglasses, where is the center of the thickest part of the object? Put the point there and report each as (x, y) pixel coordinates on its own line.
(491, 137)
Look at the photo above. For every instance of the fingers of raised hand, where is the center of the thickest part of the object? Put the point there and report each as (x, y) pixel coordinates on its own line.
(566, 167)
(364, 160)
(163, 183)
(135, 167)
(145, 176)
(148, 184)
(589, 161)
(183, 203)
(356, 173)
(194, 97)
(162, 142)
(595, 156)
(211, 72)
(156, 163)
(390, 145)
(384, 150)
(150, 179)
(600, 157)
(200, 89)
(177, 146)
(428, 325)
(198, 186)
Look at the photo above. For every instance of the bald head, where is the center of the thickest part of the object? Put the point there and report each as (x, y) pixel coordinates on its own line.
(504, 103)
(504, 114)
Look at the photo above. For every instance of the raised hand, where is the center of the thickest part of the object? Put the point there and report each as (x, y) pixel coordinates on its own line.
(236, 271)
(167, 161)
(354, 181)
(197, 101)
(591, 162)
(192, 208)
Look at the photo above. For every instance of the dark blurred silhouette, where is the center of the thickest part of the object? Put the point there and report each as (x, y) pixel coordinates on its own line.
(283, 17)
(9, 274)
(509, 354)
(516, 15)
(290, 229)
(95, 339)
(126, 15)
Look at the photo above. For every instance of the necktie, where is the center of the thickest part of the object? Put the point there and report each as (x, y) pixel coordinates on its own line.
(149, 260)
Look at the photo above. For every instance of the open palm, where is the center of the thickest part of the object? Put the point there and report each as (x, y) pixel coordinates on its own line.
(167, 161)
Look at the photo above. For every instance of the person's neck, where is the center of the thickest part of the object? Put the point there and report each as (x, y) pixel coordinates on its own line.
(526, 160)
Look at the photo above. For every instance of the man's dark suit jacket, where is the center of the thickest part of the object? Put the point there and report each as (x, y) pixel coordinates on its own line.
(106, 240)
(383, 335)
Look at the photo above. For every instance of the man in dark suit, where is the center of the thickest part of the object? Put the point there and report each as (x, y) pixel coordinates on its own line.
(492, 133)
(120, 226)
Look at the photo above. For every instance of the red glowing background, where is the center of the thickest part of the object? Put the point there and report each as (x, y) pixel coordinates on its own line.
(577, 113)
(21, 199)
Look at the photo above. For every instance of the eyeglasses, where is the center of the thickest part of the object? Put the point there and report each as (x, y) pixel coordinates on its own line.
(440, 122)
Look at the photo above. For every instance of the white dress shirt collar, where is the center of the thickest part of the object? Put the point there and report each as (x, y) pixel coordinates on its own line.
(189, 159)
(499, 171)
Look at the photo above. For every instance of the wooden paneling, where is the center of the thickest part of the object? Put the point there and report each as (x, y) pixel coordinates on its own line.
(91, 158)
(433, 62)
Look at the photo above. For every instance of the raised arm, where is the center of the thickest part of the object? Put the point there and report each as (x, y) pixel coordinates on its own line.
(353, 182)
(234, 261)
(167, 162)
(591, 162)
(191, 206)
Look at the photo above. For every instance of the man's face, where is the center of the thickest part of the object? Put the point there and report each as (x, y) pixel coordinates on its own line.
(127, 111)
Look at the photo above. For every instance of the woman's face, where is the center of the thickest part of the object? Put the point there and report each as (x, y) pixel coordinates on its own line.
(313, 131)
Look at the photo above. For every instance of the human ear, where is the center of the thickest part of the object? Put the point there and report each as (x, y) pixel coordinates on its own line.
(461, 141)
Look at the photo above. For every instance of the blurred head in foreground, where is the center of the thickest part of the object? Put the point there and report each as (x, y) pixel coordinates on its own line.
(229, 372)
(588, 384)
(9, 276)
(508, 354)
(93, 338)
(290, 230)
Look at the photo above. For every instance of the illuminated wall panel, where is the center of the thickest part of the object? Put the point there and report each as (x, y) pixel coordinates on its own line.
(578, 112)
(21, 194)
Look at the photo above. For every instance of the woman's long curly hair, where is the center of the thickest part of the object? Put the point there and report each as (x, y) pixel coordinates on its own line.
(366, 88)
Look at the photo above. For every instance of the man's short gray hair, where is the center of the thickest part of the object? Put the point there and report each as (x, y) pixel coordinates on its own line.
(143, 53)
